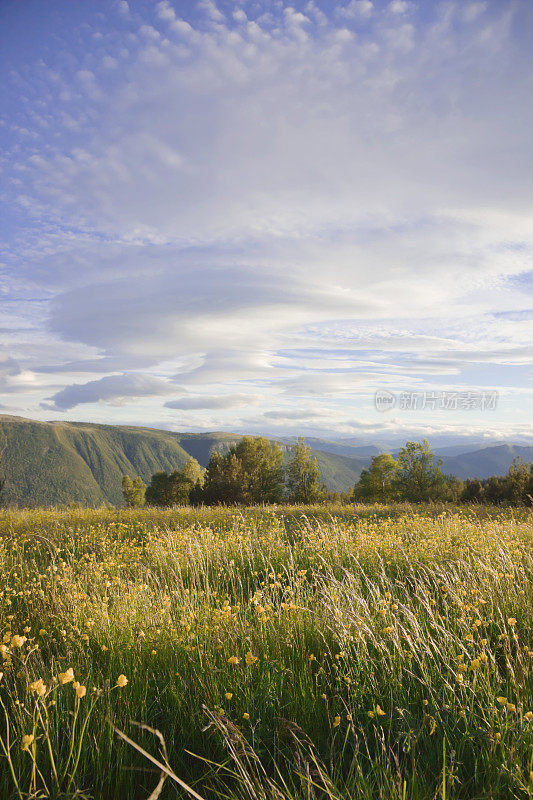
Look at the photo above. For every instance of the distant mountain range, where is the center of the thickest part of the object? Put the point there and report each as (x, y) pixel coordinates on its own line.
(51, 463)
(486, 462)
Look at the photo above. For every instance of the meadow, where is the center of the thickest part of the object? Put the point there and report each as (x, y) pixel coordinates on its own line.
(290, 653)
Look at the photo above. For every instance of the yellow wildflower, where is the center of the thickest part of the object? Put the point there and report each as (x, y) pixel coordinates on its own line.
(38, 687)
(336, 721)
(122, 681)
(233, 660)
(27, 741)
(379, 711)
(250, 658)
(81, 691)
(66, 677)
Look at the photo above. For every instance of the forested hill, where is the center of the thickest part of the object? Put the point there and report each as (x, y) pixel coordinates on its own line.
(50, 463)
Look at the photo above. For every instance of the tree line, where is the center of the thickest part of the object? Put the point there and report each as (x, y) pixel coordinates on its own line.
(252, 472)
(416, 476)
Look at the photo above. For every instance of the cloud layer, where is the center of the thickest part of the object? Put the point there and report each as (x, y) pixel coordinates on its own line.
(259, 205)
(114, 389)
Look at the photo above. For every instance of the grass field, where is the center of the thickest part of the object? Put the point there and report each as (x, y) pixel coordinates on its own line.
(281, 653)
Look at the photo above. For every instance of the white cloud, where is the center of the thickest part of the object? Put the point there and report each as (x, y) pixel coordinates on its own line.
(8, 366)
(399, 6)
(357, 9)
(211, 10)
(115, 389)
(220, 402)
(165, 11)
(286, 415)
(109, 62)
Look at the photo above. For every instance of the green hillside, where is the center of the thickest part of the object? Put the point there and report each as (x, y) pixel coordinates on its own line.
(51, 463)
(339, 473)
(47, 463)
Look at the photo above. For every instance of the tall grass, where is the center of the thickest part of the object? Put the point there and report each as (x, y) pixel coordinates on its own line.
(278, 653)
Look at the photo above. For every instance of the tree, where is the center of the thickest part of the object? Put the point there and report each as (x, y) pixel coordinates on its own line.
(175, 489)
(529, 488)
(251, 472)
(133, 491)
(516, 487)
(495, 489)
(451, 489)
(184, 482)
(377, 483)
(193, 472)
(159, 491)
(303, 476)
(262, 467)
(224, 480)
(418, 476)
(473, 491)
(517, 481)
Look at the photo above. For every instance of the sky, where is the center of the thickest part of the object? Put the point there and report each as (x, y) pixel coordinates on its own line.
(254, 216)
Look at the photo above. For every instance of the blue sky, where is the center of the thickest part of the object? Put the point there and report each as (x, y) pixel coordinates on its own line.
(253, 215)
